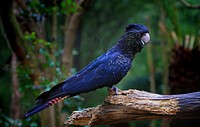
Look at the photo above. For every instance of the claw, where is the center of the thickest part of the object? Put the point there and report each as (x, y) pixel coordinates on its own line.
(113, 90)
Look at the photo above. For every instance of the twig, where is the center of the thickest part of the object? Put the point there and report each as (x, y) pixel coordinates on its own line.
(188, 5)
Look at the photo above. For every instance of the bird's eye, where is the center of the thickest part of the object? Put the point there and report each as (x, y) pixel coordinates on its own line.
(137, 34)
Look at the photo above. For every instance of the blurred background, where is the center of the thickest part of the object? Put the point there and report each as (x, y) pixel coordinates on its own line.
(45, 41)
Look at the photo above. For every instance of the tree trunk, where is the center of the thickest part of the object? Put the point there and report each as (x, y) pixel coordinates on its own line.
(72, 23)
(151, 71)
(14, 34)
(70, 33)
(12, 30)
(151, 75)
(165, 57)
(15, 100)
(70, 36)
(138, 105)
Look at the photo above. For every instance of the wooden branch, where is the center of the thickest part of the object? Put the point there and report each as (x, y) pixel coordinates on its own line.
(138, 105)
(188, 5)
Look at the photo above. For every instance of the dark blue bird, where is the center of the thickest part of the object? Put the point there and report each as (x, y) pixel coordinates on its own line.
(105, 71)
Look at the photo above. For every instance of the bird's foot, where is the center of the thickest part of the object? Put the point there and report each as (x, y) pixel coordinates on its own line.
(113, 90)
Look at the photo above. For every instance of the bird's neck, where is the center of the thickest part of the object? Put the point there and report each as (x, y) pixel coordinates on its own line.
(124, 51)
(128, 50)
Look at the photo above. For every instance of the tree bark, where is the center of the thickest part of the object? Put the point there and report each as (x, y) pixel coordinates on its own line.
(138, 105)
(15, 100)
(14, 34)
(71, 27)
(12, 30)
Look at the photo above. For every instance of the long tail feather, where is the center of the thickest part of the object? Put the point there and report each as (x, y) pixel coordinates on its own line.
(47, 99)
(40, 107)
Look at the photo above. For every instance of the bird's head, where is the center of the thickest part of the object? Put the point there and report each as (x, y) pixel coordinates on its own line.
(135, 37)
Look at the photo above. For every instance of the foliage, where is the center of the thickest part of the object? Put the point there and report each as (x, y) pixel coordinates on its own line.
(48, 7)
(181, 19)
(6, 121)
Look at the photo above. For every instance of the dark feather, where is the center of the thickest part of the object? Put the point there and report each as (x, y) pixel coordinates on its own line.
(106, 70)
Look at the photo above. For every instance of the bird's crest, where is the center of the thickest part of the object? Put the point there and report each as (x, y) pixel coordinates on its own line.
(136, 28)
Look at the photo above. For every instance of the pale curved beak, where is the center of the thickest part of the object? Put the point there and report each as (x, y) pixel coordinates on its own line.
(145, 38)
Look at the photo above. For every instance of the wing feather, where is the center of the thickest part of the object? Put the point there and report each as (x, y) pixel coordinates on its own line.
(105, 71)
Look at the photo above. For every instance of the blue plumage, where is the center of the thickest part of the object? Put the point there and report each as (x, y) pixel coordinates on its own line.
(107, 70)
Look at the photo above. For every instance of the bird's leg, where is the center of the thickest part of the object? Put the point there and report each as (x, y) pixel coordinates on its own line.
(113, 90)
